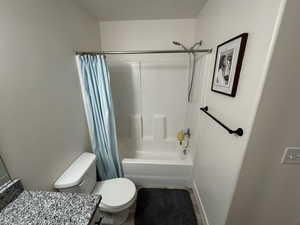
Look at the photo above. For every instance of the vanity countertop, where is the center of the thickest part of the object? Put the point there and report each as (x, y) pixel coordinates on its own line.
(40, 207)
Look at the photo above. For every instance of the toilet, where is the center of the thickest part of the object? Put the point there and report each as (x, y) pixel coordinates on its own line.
(117, 194)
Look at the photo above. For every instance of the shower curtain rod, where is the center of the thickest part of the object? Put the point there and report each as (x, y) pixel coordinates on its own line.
(143, 52)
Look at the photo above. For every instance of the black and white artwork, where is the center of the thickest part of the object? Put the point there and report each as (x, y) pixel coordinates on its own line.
(228, 64)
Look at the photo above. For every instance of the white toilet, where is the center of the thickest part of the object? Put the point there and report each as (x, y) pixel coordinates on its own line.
(117, 194)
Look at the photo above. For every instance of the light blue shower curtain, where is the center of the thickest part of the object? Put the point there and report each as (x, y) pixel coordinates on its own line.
(95, 84)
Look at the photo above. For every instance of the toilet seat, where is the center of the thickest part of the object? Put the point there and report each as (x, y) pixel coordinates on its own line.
(117, 194)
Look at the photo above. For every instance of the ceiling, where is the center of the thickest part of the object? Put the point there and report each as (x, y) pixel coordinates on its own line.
(107, 10)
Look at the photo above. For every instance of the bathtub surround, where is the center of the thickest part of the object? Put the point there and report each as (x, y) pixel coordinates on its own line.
(219, 156)
(99, 110)
(43, 126)
(147, 114)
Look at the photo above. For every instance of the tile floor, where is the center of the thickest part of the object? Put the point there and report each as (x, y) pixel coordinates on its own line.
(130, 219)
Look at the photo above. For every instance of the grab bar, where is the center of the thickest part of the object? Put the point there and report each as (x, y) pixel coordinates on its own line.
(238, 131)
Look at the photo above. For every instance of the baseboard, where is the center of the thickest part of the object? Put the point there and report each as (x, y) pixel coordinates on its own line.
(200, 203)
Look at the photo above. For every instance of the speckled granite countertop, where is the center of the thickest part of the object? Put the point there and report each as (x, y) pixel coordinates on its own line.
(32, 208)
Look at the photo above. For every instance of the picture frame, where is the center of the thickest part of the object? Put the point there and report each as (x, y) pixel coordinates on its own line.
(228, 64)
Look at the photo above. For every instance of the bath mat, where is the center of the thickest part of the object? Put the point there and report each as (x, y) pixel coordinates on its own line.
(164, 207)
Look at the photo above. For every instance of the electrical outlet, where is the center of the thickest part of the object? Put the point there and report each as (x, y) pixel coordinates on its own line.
(291, 155)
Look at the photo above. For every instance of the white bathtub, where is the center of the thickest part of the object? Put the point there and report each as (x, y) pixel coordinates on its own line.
(158, 169)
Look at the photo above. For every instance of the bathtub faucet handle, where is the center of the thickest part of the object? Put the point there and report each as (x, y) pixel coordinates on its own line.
(188, 133)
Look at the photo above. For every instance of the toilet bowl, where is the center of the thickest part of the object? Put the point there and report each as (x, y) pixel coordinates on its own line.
(118, 194)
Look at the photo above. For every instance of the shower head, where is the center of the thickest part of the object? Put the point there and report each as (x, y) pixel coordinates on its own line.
(179, 44)
(176, 43)
(199, 43)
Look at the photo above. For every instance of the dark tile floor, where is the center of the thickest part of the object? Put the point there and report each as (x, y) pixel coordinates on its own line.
(130, 219)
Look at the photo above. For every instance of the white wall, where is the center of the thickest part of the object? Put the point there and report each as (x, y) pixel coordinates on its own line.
(267, 191)
(220, 155)
(149, 85)
(41, 118)
(146, 34)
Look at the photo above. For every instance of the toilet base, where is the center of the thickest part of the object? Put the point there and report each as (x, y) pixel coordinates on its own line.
(114, 218)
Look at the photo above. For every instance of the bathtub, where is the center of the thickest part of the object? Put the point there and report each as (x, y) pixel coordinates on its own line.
(158, 169)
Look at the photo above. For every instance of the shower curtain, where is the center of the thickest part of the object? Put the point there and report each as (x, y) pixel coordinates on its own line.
(97, 97)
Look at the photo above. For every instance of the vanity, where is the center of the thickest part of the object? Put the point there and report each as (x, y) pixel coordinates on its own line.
(19, 206)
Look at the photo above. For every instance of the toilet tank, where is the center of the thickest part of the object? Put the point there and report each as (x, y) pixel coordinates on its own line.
(80, 176)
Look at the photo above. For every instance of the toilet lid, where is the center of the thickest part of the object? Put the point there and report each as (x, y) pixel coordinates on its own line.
(115, 192)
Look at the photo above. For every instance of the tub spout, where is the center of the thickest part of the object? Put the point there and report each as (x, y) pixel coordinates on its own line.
(185, 151)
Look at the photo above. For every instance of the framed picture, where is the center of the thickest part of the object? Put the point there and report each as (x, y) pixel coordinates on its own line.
(228, 64)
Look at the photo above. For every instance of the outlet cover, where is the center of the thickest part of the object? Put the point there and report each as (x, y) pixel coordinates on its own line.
(291, 155)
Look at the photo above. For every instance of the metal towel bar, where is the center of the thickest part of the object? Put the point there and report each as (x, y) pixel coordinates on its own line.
(238, 131)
